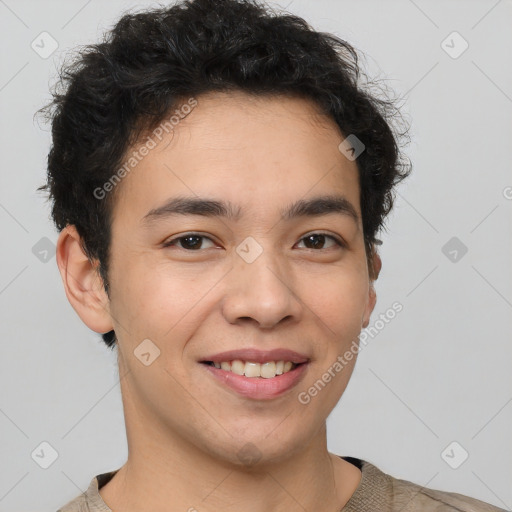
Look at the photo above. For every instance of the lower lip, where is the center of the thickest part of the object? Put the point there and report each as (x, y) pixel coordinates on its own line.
(259, 388)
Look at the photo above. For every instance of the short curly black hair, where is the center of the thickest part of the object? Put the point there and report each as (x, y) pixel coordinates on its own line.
(114, 91)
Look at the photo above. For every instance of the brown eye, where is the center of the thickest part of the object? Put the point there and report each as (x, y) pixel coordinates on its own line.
(318, 241)
(189, 242)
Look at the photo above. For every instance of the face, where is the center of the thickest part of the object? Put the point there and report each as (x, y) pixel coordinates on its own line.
(258, 278)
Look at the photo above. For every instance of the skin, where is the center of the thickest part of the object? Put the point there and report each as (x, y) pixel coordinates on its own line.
(184, 429)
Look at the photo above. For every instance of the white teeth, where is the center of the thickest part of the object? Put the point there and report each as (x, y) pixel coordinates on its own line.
(252, 370)
(238, 367)
(266, 370)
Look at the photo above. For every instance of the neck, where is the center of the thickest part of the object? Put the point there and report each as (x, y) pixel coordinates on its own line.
(171, 475)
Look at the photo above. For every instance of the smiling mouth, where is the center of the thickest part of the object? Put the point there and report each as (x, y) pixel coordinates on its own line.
(267, 370)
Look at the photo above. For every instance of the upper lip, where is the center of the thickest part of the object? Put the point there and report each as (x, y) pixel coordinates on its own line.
(258, 356)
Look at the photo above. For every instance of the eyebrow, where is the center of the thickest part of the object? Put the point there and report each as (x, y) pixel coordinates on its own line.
(312, 207)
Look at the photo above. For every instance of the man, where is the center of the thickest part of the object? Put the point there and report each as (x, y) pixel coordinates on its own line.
(219, 178)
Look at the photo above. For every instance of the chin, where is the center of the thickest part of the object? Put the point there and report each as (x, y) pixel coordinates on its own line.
(258, 450)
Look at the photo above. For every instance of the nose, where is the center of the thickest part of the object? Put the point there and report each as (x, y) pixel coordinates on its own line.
(261, 291)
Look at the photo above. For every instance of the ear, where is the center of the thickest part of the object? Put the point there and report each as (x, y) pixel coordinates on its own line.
(375, 266)
(82, 282)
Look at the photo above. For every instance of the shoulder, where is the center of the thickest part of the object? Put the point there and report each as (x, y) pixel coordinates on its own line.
(90, 500)
(78, 504)
(381, 491)
(408, 497)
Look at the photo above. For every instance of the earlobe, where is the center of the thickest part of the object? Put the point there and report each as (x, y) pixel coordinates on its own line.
(82, 282)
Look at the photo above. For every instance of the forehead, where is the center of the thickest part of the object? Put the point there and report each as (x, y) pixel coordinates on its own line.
(252, 151)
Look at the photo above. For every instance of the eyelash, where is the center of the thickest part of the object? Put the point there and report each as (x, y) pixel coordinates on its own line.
(173, 241)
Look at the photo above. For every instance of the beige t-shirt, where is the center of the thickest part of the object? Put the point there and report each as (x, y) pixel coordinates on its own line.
(376, 492)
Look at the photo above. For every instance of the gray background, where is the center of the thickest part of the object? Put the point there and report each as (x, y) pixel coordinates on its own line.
(438, 373)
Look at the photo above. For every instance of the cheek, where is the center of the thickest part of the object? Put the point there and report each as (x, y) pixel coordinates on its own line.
(338, 299)
(145, 301)
(162, 302)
